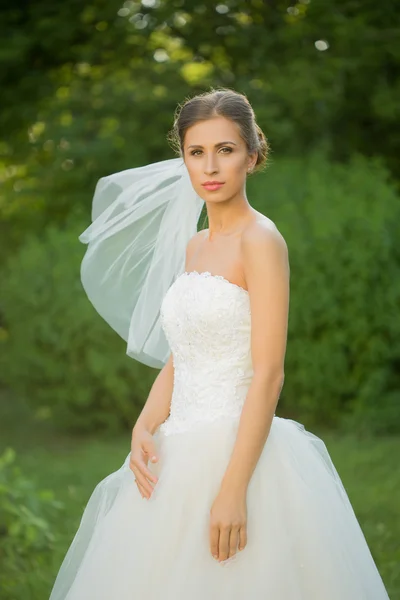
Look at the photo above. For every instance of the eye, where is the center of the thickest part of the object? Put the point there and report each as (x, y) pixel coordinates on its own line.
(228, 148)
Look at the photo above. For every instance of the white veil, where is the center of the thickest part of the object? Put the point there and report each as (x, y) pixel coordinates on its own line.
(142, 220)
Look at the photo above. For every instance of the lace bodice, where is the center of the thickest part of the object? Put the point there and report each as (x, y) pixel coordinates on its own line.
(207, 322)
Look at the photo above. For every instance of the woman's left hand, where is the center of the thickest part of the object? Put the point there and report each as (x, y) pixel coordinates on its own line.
(228, 524)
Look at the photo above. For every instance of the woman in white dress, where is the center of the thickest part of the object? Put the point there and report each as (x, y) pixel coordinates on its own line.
(218, 498)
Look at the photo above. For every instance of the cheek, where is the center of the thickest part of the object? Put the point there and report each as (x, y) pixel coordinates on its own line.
(195, 171)
(239, 163)
(235, 169)
(195, 180)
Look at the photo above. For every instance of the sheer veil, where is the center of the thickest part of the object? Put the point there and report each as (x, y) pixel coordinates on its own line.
(142, 220)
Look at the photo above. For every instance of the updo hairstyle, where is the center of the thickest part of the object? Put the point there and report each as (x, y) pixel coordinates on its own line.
(224, 103)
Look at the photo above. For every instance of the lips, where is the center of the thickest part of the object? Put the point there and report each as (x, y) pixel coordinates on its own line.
(212, 185)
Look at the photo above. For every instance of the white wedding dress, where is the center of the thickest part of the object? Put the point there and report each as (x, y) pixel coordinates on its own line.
(304, 541)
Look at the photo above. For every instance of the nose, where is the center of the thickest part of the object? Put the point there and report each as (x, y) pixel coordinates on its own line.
(211, 165)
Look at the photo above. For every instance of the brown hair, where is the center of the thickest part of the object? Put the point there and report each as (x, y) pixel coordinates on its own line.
(222, 102)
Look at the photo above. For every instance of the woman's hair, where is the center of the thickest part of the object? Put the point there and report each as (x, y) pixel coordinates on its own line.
(226, 103)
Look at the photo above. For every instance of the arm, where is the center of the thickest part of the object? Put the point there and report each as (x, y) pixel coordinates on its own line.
(266, 267)
(158, 403)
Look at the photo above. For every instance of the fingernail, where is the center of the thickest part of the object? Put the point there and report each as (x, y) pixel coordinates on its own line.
(154, 458)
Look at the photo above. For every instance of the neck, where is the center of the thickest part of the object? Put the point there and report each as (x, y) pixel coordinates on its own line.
(225, 219)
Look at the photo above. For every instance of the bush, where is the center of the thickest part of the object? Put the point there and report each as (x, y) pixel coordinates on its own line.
(57, 353)
(26, 541)
(341, 224)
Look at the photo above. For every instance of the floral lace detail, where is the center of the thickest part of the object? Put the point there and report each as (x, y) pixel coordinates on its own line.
(220, 277)
(207, 322)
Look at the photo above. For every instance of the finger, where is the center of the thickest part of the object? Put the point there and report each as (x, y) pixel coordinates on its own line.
(223, 546)
(150, 452)
(142, 465)
(214, 540)
(140, 478)
(147, 487)
(136, 463)
(141, 489)
(233, 541)
(242, 537)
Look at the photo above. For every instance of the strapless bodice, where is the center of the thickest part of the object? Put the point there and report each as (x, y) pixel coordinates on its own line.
(207, 322)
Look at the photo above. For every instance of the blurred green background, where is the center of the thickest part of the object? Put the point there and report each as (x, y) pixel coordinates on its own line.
(88, 89)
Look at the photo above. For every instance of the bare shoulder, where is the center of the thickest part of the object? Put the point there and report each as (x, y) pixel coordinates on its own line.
(262, 235)
(265, 258)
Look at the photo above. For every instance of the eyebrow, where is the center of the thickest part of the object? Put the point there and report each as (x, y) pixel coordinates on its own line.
(215, 145)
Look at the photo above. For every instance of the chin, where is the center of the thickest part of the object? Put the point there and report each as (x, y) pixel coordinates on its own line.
(213, 199)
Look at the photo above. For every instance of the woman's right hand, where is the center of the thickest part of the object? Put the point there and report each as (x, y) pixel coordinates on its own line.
(142, 450)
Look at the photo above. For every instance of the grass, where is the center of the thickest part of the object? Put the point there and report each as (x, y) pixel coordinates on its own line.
(72, 466)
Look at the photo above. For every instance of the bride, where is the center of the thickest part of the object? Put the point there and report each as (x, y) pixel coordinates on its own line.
(218, 498)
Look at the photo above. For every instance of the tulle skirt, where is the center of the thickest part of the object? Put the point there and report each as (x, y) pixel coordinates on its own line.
(303, 539)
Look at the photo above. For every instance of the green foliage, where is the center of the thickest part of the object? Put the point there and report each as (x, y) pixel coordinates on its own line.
(89, 89)
(56, 352)
(26, 539)
(341, 224)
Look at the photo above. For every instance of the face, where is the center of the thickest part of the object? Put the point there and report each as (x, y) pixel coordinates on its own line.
(214, 151)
